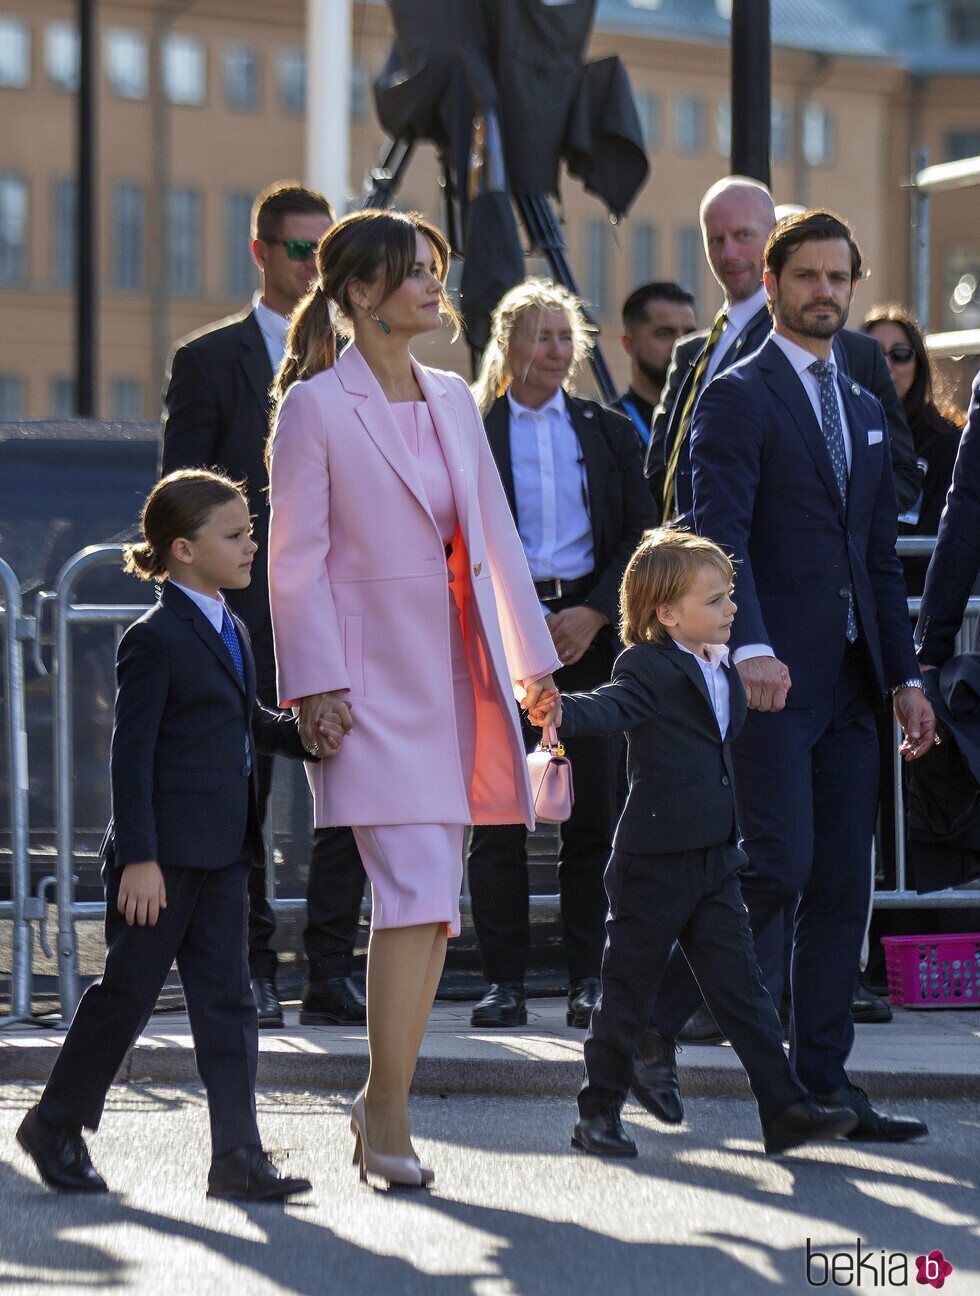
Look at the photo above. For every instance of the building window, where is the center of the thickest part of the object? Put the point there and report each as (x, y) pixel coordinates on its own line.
(242, 77)
(63, 404)
(648, 111)
(292, 80)
(183, 70)
(13, 230)
(358, 91)
(64, 245)
(779, 125)
(127, 400)
(962, 144)
(818, 136)
(597, 266)
(689, 125)
(15, 53)
(127, 251)
(184, 241)
(723, 127)
(11, 398)
(689, 256)
(644, 254)
(241, 274)
(61, 55)
(125, 63)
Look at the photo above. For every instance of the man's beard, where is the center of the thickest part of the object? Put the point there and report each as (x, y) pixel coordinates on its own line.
(652, 373)
(800, 321)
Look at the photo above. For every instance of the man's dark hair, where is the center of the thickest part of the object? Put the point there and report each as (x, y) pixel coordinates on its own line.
(285, 198)
(794, 231)
(635, 305)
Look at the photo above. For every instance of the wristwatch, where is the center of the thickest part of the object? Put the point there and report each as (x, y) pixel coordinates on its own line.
(909, 683)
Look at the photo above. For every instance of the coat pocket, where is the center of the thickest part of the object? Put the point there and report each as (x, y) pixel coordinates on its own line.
(354, 652)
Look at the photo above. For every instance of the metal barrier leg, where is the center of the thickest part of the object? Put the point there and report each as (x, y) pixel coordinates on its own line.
(64, 811)
(20, 871)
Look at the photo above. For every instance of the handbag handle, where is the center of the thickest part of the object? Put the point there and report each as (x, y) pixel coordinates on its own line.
(550, 740)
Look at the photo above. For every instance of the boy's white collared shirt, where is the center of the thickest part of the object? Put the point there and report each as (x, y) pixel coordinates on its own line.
(716, 680)
(213, 609)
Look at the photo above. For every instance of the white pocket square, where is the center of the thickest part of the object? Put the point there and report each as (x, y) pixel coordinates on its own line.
(874, 436)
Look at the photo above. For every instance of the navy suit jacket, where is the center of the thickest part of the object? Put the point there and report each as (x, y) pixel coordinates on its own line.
(181, 791)
(680, 776)
(857, 355)
(956, 561)
(764, 489)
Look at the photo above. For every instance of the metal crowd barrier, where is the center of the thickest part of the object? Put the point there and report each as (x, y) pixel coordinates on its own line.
(20, 908)
(68, 614)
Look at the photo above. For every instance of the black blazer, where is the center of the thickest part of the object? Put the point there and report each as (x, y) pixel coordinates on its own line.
(181, 793)
(619, 503)
(679, 770)
(216, 415)
(955, 563)
(857, 354)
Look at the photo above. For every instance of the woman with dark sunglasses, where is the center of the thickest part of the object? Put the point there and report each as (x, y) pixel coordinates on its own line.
(934, 419)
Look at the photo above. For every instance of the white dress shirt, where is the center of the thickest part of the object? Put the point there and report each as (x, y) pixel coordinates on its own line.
(713, 670)
(551, 490)
(274, 328)
(801, 360)
(739, 314)
(213, 609)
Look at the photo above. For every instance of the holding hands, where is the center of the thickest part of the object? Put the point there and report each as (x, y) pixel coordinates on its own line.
(766, 682)
(324, 720)
(914, 713)
(542, 702)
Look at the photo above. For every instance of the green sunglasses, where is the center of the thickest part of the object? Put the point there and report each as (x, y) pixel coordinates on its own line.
(296, 249)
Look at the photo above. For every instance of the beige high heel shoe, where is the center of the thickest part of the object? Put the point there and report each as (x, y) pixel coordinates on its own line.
(404, 1171)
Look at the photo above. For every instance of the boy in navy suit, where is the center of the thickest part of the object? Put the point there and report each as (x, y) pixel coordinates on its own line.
(672, 875)
(183, 836)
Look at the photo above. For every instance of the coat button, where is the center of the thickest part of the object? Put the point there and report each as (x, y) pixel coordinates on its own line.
(844, 592)
(477, 569)
(725, 780)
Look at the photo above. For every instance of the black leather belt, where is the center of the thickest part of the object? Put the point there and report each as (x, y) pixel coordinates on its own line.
(548, 591)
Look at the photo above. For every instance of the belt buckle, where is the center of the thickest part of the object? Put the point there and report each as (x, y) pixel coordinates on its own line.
(555, 584)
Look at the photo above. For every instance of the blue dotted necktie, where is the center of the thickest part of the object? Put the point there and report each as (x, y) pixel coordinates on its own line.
(229, 637)
(833, 435)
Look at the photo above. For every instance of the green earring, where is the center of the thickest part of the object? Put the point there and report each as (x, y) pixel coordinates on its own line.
(380, 323)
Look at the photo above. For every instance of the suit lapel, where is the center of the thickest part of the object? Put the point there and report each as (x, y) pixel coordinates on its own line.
(857, 424)
(445, 420)
(749, 340)
(497, 424)
(737, 705)
(585, 422)
(187, 610)
(686, 664)
(248, 665)
(255, 361)
(784, 382)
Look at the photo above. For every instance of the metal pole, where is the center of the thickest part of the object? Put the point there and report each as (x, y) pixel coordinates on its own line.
(64, 797)
(921, 235)
(751, 74)
(328, 59)
(20, 868)
(86, 294)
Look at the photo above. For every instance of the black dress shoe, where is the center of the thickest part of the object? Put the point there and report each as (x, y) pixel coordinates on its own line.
(654, 1081)
(868, 1007)
(503, 1005)
(583, 995)
(873, 1126)
(267, 1003)
(701, 1028)
(603, 1135)
(61, 1156)
(247, 1174)
(805, 1121)
(335, 1001)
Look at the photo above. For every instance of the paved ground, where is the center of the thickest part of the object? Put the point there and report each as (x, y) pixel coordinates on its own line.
(514, 1212)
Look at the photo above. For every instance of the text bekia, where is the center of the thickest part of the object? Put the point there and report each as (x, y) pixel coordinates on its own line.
(871, 1269)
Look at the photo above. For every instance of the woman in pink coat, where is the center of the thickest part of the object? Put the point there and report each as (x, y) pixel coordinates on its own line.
(402, 605)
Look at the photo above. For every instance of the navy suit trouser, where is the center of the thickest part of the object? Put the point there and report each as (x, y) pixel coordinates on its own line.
(203, 928)
(691, 897)
(807, 780)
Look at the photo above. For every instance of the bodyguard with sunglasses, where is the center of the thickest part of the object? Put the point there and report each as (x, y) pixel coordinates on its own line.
(216, 414)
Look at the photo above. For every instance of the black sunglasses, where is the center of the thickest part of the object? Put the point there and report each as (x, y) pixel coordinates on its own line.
(900, 355)
(296, 249)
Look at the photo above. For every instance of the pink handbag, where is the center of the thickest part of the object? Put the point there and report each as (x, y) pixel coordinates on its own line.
(551, 779)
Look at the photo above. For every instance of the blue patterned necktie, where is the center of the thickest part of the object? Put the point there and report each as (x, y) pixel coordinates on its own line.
(229, 637)
(833, 435)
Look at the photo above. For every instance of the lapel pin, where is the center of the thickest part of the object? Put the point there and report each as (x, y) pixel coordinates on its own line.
(588, 413)
(855, 389)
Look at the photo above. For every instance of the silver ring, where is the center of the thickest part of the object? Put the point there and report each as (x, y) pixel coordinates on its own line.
(312, 749)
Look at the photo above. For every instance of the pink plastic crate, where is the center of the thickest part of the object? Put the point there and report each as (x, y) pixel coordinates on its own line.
(933, 971)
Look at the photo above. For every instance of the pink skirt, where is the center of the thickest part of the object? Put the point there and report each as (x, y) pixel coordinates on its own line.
(416, 870)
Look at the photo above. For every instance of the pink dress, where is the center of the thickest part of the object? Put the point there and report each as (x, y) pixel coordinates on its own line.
(416, 870)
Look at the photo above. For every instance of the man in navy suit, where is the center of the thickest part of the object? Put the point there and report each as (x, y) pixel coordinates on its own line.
(791, 473)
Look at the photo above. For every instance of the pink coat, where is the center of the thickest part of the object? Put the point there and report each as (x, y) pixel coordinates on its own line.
(360, 601)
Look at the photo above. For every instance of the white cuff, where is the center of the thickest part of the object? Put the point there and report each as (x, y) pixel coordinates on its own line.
(751, 650)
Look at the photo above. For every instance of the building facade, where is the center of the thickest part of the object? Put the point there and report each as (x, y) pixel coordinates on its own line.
(201, 103)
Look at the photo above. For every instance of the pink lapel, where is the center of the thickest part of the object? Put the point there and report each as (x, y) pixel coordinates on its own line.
(445, 418)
